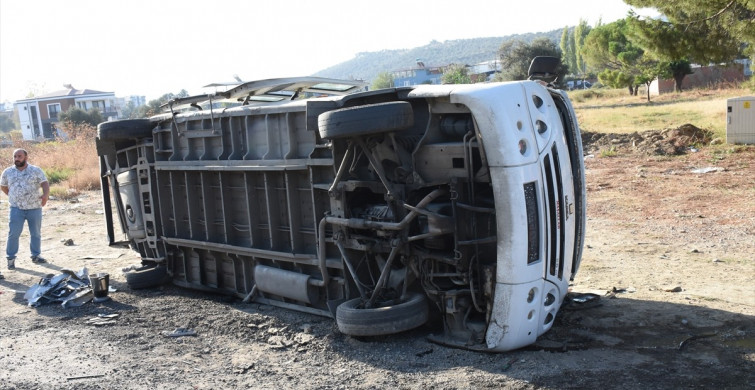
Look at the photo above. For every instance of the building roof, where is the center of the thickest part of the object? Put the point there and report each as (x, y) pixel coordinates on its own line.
(70, 91)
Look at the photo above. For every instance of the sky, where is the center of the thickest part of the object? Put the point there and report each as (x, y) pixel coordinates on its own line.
(153, 47)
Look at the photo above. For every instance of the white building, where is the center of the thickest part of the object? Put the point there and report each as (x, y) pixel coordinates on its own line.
(38, 115)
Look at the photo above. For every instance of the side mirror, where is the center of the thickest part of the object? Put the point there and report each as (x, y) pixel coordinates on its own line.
(544, 68)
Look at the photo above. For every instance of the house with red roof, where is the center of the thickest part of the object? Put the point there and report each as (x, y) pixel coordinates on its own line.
(39, 115)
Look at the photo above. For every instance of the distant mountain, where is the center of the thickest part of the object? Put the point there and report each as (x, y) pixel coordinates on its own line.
(367, 65)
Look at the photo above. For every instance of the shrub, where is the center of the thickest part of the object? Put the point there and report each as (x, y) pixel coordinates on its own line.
(610, 152)
(57, 174)
(79, 116)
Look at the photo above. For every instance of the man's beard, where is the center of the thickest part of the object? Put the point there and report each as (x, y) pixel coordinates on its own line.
(20, 164)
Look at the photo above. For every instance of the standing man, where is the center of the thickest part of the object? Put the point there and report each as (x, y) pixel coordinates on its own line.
(21, 182)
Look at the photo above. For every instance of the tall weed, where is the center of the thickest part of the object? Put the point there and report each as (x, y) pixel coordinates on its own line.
(71, 166)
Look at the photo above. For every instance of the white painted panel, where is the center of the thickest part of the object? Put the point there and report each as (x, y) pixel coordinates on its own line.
(740, 120)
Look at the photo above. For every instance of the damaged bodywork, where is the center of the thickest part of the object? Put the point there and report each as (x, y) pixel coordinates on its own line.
(376, 208)
(69, 288)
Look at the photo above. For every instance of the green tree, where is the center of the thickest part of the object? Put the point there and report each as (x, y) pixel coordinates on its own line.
(581, 31)
(383, 80)
(6, 123)
(646, 71)
(516, 56)
(456, 74)
(678, 70)
(724, 18)
(607, 48)
(153, 106)
(568, 52)
(35, 89)
(75, 115)
(693, 31)
(129, 110)
(615, 78)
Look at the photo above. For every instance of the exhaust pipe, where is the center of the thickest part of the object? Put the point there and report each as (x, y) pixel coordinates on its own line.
(286, 284)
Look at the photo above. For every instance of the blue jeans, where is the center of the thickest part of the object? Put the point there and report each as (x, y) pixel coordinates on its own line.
(17, 217)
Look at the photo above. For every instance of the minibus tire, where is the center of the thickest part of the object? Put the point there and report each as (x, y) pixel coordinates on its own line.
(355, 321)
(146, 277)
(126, 129)
(365, 120)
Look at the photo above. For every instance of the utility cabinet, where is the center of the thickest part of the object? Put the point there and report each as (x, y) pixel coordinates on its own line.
(740, 120)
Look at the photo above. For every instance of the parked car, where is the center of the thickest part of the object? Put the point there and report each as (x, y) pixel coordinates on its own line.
(578, 84)
(462, 205)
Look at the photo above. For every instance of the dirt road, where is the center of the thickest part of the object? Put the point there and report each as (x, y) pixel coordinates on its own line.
(670, 253)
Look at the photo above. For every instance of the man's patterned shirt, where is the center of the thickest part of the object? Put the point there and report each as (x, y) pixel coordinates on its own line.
(23, 186)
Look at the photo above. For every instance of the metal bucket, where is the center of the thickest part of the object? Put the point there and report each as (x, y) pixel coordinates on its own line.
(100, 285)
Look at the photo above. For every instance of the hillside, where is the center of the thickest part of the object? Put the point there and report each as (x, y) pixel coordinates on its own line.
(367, 65)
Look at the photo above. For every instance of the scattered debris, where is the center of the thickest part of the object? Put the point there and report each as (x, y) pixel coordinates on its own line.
(673, 289)
(69, 288)
(708, 170)
(180, 332)
(584, 298)
(694, 337)
(581, 301)
(100, 322)
(70, 378)
(67, 241)
(100, 283)
(80, 297)
(103, 319)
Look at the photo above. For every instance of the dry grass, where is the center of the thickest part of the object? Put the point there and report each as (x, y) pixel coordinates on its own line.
(71, 166)
(614, 111)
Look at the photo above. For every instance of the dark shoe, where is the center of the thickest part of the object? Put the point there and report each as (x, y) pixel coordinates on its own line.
(12, 263)
(2, 277)
(38, 259)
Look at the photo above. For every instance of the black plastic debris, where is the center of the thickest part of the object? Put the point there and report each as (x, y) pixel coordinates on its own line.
(694, 337)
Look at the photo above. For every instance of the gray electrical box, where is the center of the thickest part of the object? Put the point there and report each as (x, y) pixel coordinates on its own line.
(740, 120)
